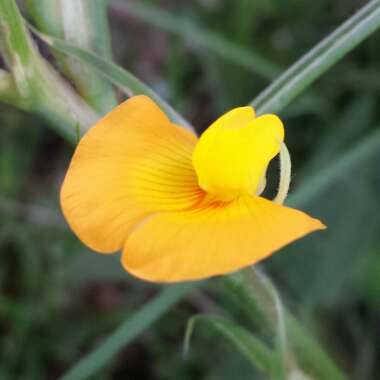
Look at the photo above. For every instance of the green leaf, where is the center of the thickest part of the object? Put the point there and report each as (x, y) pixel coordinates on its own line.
(318, 60)
(128, 331)
(251, 347)
(114, 73)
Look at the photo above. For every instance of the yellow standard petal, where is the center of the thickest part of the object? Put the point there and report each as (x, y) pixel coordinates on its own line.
(232, 155)
(132, 163)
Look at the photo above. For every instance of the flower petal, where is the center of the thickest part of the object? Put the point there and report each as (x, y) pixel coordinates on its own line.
(221, 238)
(132, 163)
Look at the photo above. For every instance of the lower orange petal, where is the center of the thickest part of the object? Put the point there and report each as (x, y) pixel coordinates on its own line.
(221, 238)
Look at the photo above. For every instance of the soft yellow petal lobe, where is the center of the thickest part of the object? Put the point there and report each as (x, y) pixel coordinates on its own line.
(208, 241)
(132, 163)
(232, 155)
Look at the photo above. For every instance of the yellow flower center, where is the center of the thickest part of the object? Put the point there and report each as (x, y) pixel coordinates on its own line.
(232, 155)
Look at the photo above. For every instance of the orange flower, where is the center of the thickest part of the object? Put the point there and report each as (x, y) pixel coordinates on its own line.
(179, 207)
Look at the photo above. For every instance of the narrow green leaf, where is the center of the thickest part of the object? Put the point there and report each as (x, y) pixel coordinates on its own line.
(251, 347)
(318, 60)
(128, 331)
(116, 74)
(201, 38)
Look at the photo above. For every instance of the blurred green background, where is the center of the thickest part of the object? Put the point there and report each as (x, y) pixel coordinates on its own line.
(58, 299)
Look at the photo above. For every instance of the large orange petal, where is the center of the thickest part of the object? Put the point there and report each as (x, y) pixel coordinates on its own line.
(132, 163)
(218, 239)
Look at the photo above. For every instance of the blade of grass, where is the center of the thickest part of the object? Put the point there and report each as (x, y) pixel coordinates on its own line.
(114, 73)
(318, 60)
(127, 331)
(199, 37)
